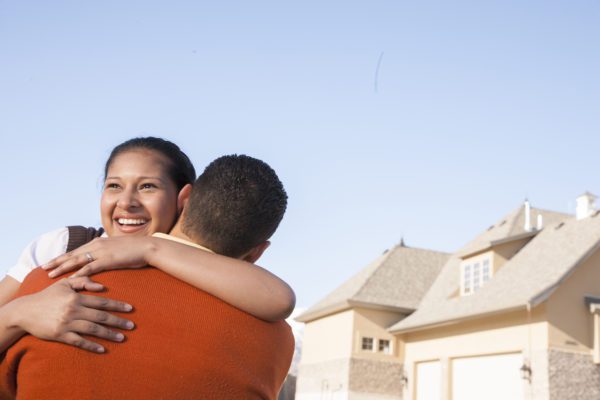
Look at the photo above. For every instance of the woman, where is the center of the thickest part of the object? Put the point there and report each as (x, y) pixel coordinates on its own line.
(145, 183)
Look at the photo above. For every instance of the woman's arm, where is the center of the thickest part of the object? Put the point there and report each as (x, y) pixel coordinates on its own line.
(239, 283)
(8, 289)
(60, 314)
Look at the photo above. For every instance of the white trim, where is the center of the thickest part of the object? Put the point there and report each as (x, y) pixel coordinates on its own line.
(472, 274)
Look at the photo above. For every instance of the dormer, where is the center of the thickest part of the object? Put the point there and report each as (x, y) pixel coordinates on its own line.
(487, 254)
(476, 269)
(475, 272)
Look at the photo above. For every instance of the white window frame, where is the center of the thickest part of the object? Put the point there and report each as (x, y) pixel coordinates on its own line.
(387, 350)
(373, 343)
(474, 273)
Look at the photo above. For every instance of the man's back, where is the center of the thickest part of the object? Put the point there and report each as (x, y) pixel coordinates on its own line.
(186, 345)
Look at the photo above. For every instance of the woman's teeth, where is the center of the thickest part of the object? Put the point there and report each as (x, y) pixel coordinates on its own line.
(129, 221)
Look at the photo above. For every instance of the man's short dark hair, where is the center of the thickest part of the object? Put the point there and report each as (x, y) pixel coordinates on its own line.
(236, 204)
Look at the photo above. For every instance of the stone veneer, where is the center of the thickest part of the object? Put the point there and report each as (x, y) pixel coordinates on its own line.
(321, 380)
(376, 377)
(352, 379)
(573, 376)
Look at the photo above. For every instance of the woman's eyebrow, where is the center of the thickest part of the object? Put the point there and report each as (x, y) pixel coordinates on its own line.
(139, 177)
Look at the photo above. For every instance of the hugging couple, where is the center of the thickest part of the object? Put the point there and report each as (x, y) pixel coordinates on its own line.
(203, 322)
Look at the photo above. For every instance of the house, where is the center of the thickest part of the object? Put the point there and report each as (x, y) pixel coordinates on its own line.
(514, 314)
(347, 351)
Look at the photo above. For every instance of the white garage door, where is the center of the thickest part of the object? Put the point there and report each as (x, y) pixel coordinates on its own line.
(429, 381)
(489, 377)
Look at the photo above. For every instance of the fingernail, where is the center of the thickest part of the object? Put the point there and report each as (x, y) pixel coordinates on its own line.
(45, 266)
(100, 349)
(52, 274)
(129, 325)
(128, 307)
(119, 337)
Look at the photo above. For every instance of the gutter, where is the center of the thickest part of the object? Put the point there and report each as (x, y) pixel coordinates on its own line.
(457, 320)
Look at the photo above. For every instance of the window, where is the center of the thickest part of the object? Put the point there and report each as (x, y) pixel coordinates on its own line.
(367, 343)
(475, 274)
(476, 277)
(485, 270)
(467, 279)
(384, 346)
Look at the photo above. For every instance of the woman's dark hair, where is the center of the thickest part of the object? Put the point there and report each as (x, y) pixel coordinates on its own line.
(181, 170)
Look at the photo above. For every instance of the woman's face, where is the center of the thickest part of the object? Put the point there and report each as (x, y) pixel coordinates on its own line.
(138, 198)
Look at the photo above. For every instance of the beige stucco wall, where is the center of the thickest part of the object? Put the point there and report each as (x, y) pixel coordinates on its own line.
(504, 333)
(334, 366)
(328, 338)
(505, 251)
(569, 318)
(374, 323)
(499, 254)
(339, 335)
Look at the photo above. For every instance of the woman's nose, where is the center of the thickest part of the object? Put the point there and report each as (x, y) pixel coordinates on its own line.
(128, 199)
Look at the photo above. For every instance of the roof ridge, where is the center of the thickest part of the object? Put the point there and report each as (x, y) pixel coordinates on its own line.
(552, 211)
(420, 249)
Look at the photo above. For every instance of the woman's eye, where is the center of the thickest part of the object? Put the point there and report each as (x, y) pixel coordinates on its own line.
(146, 186)
(111, 186)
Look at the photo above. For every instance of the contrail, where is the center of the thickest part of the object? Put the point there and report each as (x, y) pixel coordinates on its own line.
(377, 71)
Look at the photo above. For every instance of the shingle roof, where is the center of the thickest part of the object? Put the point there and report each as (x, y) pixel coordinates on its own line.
(397, 279)
(511, 225)
(528, 278)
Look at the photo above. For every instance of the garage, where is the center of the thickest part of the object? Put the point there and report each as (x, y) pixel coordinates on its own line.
(495, 377)
(429, 380)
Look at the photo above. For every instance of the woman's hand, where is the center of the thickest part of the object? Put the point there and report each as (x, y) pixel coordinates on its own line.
(58, 313)
(102, 254)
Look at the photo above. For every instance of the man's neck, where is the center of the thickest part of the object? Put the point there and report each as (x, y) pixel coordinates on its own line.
(178, 233)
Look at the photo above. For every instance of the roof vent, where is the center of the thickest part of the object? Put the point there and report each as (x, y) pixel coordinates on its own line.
(586, 205)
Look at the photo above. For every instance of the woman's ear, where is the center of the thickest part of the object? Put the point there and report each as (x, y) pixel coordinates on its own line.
(183, 197)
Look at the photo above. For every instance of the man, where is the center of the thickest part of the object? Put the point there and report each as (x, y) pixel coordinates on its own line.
(187, 344)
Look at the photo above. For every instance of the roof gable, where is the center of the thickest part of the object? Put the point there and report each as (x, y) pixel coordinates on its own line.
(511, 225)
(527, 279)
(398, 279)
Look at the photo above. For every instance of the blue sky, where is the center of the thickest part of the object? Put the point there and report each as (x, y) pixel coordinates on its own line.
(478, 105)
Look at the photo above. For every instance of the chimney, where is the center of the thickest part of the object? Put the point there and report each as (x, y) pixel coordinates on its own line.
(586, 205)
(527, 226)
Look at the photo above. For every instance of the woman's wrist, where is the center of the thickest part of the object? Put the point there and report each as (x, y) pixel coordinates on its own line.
(14, 314)
(151, 249)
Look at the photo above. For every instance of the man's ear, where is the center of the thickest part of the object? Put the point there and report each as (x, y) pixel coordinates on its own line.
(183, 197)
(255, 253)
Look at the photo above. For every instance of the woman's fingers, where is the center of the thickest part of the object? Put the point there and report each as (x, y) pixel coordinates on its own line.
(103, 303)
(70, 264)
(96, 317)
(76, 340)
(84, 283)
(85, 327)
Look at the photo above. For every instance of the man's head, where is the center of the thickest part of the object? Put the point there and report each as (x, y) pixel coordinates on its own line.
(235, 206)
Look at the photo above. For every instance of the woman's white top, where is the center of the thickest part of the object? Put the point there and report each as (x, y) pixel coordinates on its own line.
(42, 250)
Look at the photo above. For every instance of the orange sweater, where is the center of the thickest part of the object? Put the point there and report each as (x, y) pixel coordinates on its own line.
(187, 344)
